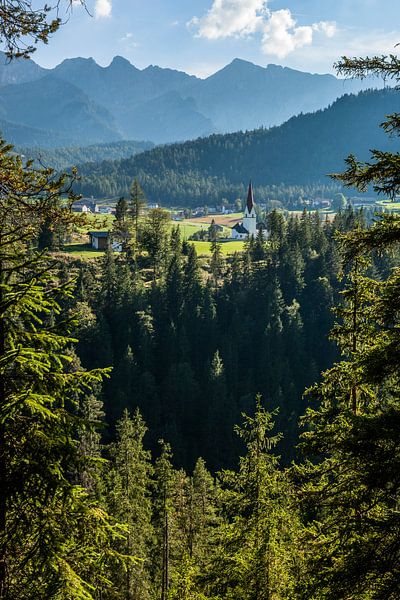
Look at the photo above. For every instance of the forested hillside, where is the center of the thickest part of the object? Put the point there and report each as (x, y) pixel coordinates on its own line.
(300, 152)
(193, 350)
(62, 158)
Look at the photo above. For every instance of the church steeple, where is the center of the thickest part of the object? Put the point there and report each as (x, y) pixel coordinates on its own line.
(250, 198)
(250, 215)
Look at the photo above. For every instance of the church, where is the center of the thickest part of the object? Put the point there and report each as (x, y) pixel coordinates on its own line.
(249, 226)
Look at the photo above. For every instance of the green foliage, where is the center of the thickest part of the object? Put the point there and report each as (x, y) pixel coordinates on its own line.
(20, 21)
(54, 536)
(128, 500)
(63, 158)
(351, 490)
(154, 236)
(266, 312)
(255, 546)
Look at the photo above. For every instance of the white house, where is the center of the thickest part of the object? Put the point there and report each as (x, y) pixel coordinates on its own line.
(239, 232)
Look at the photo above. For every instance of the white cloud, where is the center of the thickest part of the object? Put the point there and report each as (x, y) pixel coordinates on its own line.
(102, 9)
(281, 34)
(329, 28)
(227, 18)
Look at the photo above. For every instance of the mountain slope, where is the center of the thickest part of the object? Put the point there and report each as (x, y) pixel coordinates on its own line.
(302, 151)
(18, 134)
(244, 96)
(56, 105)
(127, 91)
(165, 118)
(19, 70)
(63, 157)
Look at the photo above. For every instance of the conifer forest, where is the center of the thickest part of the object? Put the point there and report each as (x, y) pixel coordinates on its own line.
(185, 427)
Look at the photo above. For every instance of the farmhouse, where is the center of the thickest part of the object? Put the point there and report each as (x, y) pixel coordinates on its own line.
(214, 230)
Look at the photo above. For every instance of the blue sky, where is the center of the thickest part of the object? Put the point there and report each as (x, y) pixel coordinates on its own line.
(201, 36)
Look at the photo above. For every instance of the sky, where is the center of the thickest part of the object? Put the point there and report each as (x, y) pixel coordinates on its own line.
(202, 36)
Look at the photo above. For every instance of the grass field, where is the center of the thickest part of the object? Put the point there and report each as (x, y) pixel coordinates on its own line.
(95, 222)
(188, 228)
(82, 251)
(203, 248)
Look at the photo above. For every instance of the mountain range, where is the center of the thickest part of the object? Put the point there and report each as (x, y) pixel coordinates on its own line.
(80, 102)
(299, 153)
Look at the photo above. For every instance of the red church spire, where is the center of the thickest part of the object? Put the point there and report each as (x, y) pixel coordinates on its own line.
(250, 198)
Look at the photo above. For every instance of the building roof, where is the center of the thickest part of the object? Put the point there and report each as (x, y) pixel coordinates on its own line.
(99, 234)
(216, 226)
(240, 228)
(250, 198)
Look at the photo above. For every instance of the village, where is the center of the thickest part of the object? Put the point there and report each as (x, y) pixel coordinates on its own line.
(229, 224)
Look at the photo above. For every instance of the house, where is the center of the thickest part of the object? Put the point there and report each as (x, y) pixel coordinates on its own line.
(249, 226)
(239, 232)
(214, 230)
(85, 205)
(82, 208)
(99, 239)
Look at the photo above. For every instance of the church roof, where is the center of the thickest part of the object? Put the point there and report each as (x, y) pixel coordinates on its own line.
(240, 228)
(250, 198)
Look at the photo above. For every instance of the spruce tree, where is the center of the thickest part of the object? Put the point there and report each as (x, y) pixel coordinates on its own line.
(136, 206)
(128, 500)
(351, 491)
(54, 537)
(255, 552)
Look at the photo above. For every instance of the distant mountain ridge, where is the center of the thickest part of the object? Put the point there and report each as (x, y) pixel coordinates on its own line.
(95, 104)
(301, 152)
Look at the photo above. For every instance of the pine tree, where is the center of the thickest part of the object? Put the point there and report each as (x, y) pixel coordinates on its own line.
(163, 494)
(122, 224)
(154, 237)
(216, 261)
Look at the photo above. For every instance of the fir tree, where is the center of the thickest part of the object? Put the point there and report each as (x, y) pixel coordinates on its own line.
(352, 490)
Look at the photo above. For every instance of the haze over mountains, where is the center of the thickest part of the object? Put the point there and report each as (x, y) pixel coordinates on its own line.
(301, 152)
(81, 103)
